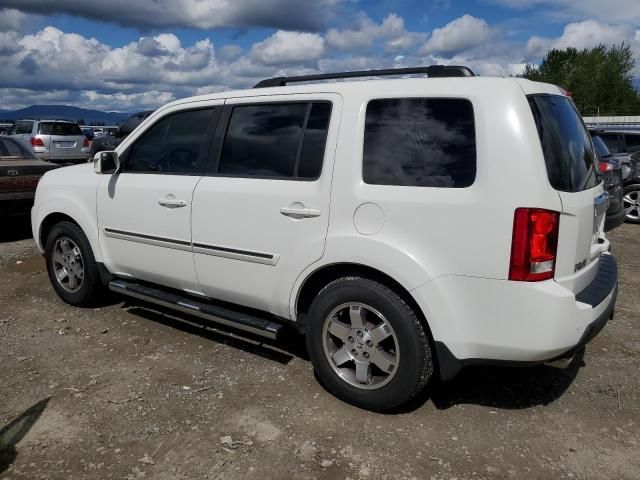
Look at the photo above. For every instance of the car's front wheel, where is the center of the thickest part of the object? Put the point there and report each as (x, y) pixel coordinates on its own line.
(631, 202)
(71, 265)
(367, 345)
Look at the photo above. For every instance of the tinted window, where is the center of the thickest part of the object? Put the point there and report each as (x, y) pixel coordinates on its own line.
(633, 142)
(67, 129)
(132, 122)
(172, 145)
(315, 139)
(601, 149)
(566, 144)
(419, 142)
(272, 141)
(9, 148)
(611, 140)
(22, 127)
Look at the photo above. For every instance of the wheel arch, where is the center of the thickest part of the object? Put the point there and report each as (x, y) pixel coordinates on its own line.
(316, 280)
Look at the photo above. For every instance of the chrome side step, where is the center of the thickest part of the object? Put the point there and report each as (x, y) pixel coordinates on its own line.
(264, 327)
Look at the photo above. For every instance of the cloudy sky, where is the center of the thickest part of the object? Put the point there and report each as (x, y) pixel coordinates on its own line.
(127, 55)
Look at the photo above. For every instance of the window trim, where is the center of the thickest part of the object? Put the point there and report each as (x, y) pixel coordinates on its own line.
(202, 154)
(475, 138)
(213, 165)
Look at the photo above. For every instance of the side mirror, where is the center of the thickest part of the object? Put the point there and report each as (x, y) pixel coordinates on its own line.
(106, 162)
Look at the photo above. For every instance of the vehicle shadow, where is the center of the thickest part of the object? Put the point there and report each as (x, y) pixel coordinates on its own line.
(15, 431)
(508, 388)
(15, 227)
(289, 344)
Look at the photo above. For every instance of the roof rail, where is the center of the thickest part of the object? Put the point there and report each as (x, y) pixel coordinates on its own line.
(431, 71)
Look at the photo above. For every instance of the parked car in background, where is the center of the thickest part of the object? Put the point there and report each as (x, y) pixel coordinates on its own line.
(619, 140)
(89, 133)
(57, 141)
(109, 142)
(631, 190)
(386, 219)
(20, 171)
(611, 172)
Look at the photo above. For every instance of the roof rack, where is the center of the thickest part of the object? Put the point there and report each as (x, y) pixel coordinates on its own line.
(432, 71)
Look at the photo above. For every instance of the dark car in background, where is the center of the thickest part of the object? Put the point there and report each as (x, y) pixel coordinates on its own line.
(619, 140)
(20, 171)
(109, 142)
(611, 172)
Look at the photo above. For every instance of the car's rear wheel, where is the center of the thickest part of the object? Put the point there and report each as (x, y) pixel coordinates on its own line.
(367, 345)
(71, 265)
(631, 202)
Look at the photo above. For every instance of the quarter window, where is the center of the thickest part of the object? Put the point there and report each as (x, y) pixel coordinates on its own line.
(175, 144)
(420, 142)
(22, 128)
(277, 140)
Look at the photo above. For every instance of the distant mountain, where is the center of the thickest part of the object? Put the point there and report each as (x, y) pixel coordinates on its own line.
(64, 112)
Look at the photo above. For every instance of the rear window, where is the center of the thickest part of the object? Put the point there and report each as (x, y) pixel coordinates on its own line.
(55, 128)
(566, 144)
(419, 142)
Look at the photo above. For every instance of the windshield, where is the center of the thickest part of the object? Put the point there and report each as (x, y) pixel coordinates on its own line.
(566, 144)
(59, 128)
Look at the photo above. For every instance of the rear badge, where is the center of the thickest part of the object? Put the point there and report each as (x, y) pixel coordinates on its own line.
(12, 173)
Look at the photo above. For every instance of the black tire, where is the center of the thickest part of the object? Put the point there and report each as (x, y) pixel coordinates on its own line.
(91, 289)
(415, 366)
(634, 191)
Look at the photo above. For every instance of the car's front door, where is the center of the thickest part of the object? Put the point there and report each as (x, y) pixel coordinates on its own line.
(144, 210)
(261, 213)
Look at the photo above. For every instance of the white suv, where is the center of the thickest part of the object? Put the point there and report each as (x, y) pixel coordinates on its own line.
(408, 227)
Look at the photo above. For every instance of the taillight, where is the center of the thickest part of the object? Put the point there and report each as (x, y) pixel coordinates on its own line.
(534, 244)
(605, 167)
(86, 142)
(36, 142)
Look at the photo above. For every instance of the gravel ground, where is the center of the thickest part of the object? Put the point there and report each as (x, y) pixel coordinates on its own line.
(122, 392)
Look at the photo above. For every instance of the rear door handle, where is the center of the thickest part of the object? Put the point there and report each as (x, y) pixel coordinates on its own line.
(299, 212)
(171, 202)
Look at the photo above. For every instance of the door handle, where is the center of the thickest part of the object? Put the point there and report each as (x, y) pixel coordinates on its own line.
(299, 212)
(171, 202)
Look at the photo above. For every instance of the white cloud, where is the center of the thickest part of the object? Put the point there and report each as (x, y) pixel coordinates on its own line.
(461, 34)
(581, 35)
(288, 47)
(366, 32)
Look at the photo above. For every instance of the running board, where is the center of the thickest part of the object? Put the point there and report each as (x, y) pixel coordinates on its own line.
(183, 303)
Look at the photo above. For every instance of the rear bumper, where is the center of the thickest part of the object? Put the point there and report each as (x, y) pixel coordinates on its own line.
(493, 322)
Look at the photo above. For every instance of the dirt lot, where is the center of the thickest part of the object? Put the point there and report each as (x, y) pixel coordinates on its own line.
(123, 392)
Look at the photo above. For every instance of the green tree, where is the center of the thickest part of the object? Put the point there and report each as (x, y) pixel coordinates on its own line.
(599, 78)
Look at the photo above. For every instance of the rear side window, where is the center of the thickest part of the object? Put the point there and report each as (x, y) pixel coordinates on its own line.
(420, 142)
(601, 148)
(633, 142)
(175, 144)
(22, 128)
(276, 140)
(611, 140)
(65, 129)
(566, 144)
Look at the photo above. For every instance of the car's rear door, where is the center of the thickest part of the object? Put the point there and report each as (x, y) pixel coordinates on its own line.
(261, 213)
(572, 170)
(144, 210)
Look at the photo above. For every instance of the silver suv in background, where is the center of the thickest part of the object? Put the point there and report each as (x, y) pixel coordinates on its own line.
(56, 141)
